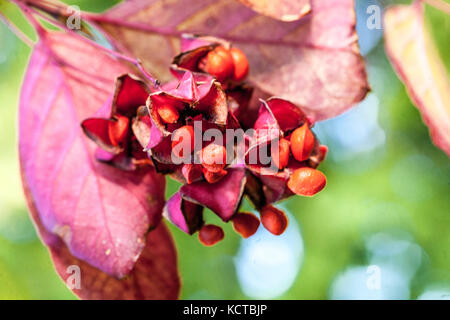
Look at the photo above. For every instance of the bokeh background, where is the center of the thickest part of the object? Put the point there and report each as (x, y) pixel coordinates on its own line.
(385, 211)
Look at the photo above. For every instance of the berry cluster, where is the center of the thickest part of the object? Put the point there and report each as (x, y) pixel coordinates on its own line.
(117, 143)
(183, 129)
(225, 64)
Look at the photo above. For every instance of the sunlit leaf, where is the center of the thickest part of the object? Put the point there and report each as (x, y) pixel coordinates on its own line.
(416, 60)
(153, 276)
(313, 62)
(285, 10)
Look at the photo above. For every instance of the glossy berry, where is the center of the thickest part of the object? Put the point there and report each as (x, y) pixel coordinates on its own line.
(183, 138)
(281, 156)
(213, 177)
(118, 129)
(219, 63)
(214, 157)
(245, 223)
(241, 66)
(168, 113)
(274, 220)
(302, 143)
(306, 181)
(210, 234)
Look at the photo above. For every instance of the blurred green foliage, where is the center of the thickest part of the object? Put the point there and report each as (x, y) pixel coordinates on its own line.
(404, 186)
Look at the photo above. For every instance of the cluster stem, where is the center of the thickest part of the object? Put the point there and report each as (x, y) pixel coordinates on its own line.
(32, 8)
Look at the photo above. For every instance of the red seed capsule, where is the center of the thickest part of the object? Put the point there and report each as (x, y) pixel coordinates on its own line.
(117, 130)
(214, 157)
(306, 181)
(183, 138)
(281, 156)
(317, 156)
(241, 66)
(245, 223)
(191, 172)
(168, 113)
(302, 143)
(323, 150)
(210, 234)
(220, 64)
(213, 177)
(274, 220)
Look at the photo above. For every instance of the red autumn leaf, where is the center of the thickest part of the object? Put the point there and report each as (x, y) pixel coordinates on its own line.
(285, 10)
(102, 214)
(414, 56)
(313, 62)
(153, 277)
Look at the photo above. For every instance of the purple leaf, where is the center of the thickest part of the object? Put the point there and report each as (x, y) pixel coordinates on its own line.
(153, 277)
(102, 214)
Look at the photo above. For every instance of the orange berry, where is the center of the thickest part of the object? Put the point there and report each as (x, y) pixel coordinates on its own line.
(241, 66)
(210, 234)
(306, 181)
(281, 156)
(118, 129)
(214, 157)
(168, 113)
(245, 223)
(274, 220)
(184, 136)
(219, 63)
(302, 143)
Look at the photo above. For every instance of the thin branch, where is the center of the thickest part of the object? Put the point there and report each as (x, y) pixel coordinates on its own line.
(76, 34)
(27, 13)
(53, 7)
(64, 27)
(59, 10)
(14, 29)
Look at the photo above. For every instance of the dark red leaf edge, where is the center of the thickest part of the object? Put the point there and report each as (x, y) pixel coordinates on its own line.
(153, 276)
